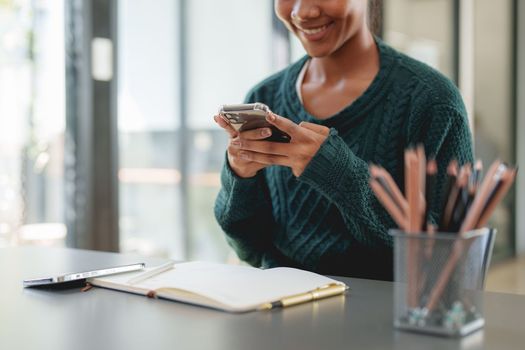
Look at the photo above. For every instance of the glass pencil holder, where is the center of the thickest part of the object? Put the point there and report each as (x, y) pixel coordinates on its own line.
(438, 280)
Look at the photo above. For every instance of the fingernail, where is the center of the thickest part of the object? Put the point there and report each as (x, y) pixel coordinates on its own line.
(236, 143)
(243, 155)
(270, 117)
(266, 132)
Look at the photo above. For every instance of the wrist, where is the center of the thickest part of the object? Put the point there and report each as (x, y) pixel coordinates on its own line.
(244, 175)
(239, 172)
(303, 163)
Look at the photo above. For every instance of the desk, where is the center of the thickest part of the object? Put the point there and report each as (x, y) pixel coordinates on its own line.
(105, 319)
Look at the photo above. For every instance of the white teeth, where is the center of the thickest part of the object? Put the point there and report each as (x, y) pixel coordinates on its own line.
(314, 31)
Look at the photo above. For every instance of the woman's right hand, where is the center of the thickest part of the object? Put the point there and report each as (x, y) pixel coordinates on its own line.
(242, 168)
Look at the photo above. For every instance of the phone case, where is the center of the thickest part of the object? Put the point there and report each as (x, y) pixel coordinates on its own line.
(251, 116)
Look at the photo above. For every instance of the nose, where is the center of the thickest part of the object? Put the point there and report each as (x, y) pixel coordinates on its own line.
(305, 9)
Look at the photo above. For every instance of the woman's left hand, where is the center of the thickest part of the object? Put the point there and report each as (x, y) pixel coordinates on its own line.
(306, 139)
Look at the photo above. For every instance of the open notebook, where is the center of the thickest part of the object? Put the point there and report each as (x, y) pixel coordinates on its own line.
(228, 287)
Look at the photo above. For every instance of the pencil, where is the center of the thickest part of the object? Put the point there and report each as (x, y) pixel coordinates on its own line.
(388, 182)
(429, 190)
(472, 220)
(455, 198)
(474, 184)
(458, 211)
(412, 188)
(413, 191)
(452, 174)
(420, 170)
(489, 183)
(476, 174)
(387, 202)
(422, 162)
(431, 231)
(500, 191)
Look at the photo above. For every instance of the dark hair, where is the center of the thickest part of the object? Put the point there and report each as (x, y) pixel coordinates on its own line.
(375, 20)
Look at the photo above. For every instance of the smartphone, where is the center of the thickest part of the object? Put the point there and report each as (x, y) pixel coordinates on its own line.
(251, 116)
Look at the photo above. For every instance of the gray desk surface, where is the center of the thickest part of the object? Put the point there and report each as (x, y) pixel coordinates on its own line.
(104, 319)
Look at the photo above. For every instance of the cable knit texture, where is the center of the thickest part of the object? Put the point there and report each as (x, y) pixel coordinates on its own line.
(328, 220)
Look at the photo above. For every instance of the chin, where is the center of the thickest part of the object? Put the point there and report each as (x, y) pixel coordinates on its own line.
(318, 52)
(320, 48)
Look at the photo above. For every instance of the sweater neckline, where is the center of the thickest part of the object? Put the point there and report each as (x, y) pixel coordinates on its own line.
(350, 114)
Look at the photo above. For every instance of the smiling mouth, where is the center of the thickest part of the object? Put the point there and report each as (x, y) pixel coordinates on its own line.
(316, 32)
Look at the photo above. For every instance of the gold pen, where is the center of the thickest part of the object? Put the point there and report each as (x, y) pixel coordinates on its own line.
(316, 294)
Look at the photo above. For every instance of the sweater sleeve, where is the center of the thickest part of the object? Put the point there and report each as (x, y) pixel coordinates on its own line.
(243, 210)
(343, 178)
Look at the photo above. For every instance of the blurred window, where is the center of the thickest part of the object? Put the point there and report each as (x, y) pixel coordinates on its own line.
(32, 116)
(171, 153)
(423, 30)
(493, 102)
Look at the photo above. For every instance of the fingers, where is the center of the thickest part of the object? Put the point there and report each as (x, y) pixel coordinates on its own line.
(283, 124)
(267, 147)
(320, 129)
(243, 168)
(268, 159)
(225, 125)
(256, 134)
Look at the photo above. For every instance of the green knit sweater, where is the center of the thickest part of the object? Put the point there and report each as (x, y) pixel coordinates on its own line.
(328, 220)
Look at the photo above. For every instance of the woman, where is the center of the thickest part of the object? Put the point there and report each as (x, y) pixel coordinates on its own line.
(351, 101)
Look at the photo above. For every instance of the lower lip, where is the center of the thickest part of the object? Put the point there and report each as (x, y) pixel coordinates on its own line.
(317, 36)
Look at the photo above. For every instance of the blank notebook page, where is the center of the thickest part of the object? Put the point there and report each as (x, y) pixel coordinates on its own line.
(238, 286)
